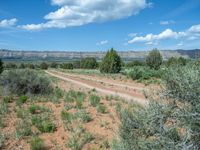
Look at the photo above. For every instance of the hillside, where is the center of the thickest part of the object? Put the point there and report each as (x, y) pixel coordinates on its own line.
(62, 55)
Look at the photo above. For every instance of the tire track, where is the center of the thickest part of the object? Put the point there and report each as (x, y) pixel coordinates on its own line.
(127, 97)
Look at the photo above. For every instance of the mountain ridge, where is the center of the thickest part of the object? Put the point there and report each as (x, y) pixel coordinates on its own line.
(126, 55)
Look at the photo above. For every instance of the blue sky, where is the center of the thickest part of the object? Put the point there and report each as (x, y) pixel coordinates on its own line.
(93, 25)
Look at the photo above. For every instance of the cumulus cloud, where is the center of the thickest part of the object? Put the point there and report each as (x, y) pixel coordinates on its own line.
(81, 12)
(102, 42)
(8, 22)
(192, 33)
(167, 22)
(195, 29)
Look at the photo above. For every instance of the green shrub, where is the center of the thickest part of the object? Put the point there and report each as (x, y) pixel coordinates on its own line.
(36, 143)
(144, 73)
(8, 99)
(1, 66)
(44, 125)
(22, 99)
(58, 93)
(182, 85)
(176, 61)
(154, 59)
(134, 63)
(33, 109)
(22, 66)
(54, 65)
(147, 128)
(101, 109)
(111, 63)
(44, 66)
(67, 117)
(77, 64)
(31, 66)
(94, 100)
(25, 82)
(10, 66)
(89, 63)
(171, 124)
(67, 66)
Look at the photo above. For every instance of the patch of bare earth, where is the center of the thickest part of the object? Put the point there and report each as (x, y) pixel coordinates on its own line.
(103, 127)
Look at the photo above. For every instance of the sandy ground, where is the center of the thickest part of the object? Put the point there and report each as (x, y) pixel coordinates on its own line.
(103, 127)
(127, 91)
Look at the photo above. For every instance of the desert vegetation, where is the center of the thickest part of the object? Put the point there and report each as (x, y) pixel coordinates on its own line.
(71, 105)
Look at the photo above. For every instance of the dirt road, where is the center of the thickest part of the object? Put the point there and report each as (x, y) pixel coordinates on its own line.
(126, 91)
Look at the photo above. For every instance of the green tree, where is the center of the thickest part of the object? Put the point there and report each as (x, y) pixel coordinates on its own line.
(1, 66)
(11, 66)
(89, 63)
(44, 66)
(30, 66)
(54, 65)
(154, 59)
(77, 64)
(111, 63)
(22, 66)
(176, 61)
(67, 66)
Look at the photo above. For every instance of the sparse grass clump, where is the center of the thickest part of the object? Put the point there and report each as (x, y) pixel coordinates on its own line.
(23, 128)
(3, 112)
(8, 99)
(58, 93)
(83, 116)
(67, 117)
(94, 100)
(34, 109)
(2, 139)
(101, 109)
(75, 96)
(43, 123)
(36, 143)
(22, 113)
(79, 138)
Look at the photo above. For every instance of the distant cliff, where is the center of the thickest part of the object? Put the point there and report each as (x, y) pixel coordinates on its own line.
(126, 55)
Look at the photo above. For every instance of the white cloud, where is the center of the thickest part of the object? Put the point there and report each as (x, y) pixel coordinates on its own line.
(191, 34)
(180, 44)
(81, 12)
(192, 38)
(102, 42)
(151, 43)
(8, 23)
(195, 29)
(167, 22)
